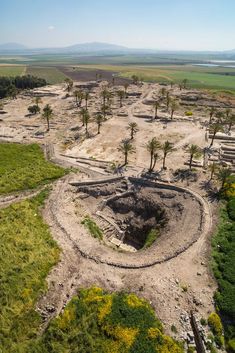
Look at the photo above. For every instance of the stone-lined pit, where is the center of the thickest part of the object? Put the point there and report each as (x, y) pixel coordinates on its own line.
(137, 215)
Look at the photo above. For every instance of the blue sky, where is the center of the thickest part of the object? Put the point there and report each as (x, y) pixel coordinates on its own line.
(158, 24)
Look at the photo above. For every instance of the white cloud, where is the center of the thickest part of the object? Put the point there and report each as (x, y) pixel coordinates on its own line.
(51, 28)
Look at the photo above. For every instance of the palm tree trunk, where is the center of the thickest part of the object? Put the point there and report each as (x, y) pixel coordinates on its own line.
(230, 126)
(155, 114)
(98, 129)
(151, 162)
(190, 162)
(48, 124)
(212, 140)
(164, 162)
(172, 113)
(126, 156)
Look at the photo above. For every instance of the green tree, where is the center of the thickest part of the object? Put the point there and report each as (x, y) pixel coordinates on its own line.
(214, 129)
(194, 151)
(126, 85)
(163, 92)
(184, 83)
(167, 148)
(37, 101)
(105, 94)
(126, 148)
(86, 97)
(82, 114)
(99, 119)
(133, 127)
(47, 114)
(230, 121)
(104, 109)
(156, 106)
(152, 146)
(121, 96)
(173, 107)
(168, 99)
(228, 111)
(79, 96)
(222, 175)
(69, 84)
(135, 79)
(212, 112)
(213, 167)
(34, 109)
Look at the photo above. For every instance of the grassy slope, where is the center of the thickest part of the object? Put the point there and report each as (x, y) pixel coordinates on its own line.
(24, 167)
(97, 322)
(12, 70)
(50, 74)
(27, 255)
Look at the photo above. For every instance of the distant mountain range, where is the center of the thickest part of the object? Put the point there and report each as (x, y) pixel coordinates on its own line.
(97, 48)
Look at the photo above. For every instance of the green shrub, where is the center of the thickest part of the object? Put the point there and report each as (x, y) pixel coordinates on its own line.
(203, 321)
(215, 324)
(151, 237)
(231, 208)
(231, 346)
(188, 113)
(94, 230)
(99, 322)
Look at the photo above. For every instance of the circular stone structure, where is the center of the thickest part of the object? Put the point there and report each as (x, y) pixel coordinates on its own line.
(132, 207)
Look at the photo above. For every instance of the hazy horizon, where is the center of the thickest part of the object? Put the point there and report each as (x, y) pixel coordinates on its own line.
(153, 24)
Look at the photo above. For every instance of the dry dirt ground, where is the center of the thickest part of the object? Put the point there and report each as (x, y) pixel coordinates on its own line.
(174, 287)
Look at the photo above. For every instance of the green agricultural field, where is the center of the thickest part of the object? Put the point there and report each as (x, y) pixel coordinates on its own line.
(198, 77)
(28, 253)
(12, 70)
(50, 74)
(24, 167)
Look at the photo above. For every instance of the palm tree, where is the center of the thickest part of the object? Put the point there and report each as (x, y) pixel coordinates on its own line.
(105, 94)
(213, 169)
(85, 119)
(214, 128)
(173, 107)
(167, 147)
(231, 121)
(156, 106)
(78, 94)
(99, 119)
(69, 84)
(83, 113)
(152, 146)
(103, 110)
(222, 175)
(220, 117)
(86, 97)
(126, 148)
(163, 92)
(37, 100)
(193, 150)
(227, 113)
(135, 79)
(133, 127)
(121, 95)
(47, 114)
(184, 82)
(212, 112)
(168, 99)
(126, 85)
(155, 158)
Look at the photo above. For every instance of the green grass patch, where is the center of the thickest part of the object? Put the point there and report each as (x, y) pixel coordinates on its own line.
(151, 237)
(99, 322)
(24, 167)
(50, 74)
(28, 253)
(11, 70)
(92, 227)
